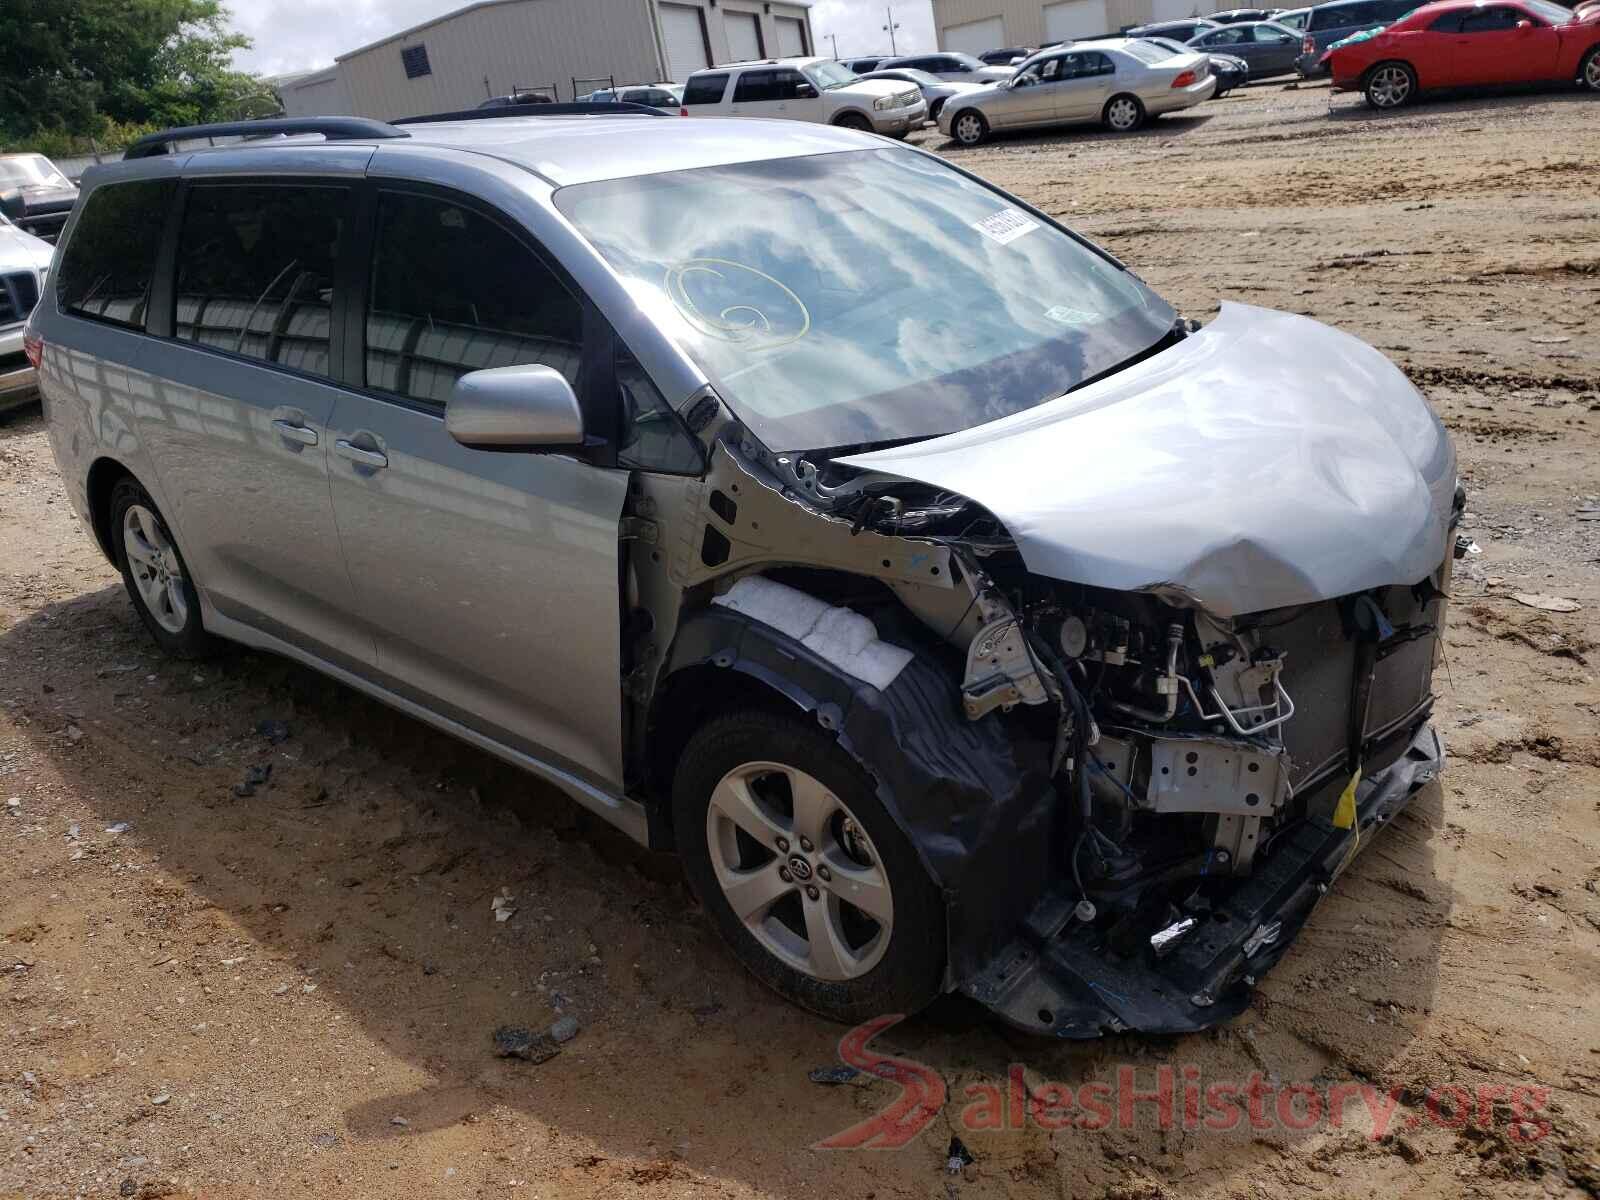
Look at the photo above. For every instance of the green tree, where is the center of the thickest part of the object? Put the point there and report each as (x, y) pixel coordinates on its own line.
(73, 66)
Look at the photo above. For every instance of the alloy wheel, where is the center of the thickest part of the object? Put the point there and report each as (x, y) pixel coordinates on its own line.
(1591, 72)
(157, 571)
(1122, 114)
(1389, 87)
(969, 129)
(799, 871)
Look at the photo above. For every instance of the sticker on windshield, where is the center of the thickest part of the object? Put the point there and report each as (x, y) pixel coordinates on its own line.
(1063, 315)
(1005, 226)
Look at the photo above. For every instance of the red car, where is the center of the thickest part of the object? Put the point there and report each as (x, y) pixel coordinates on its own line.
(1468, 43)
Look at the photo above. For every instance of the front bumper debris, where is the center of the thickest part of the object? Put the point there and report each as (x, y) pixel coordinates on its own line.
(1053, 980)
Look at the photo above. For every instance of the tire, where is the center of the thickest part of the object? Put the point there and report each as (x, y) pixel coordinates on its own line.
(1589, 70)
(1390, 85)
(852, 120)
(970, 127)
(1123, 113)
(155, 574)
(797, 847)
(938, 107)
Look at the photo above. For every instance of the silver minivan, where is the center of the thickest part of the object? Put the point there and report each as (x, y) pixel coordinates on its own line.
(965, 617)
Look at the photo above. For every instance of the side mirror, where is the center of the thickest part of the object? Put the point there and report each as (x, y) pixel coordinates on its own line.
(805, 91)
(514, 408)
(13, 204)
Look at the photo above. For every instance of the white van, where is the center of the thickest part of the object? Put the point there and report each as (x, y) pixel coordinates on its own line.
(805, 89)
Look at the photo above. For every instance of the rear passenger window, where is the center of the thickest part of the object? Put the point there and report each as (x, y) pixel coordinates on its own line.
(106, 269)
(756, 86)
(255, 271)
(705, 89)
(452, 292)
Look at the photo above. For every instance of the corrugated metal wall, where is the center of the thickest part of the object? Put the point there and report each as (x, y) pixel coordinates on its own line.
(527, 44)
(491, 49)
(1024, 19)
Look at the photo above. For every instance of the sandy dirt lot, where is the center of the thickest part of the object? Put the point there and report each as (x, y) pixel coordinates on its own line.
(293, 992)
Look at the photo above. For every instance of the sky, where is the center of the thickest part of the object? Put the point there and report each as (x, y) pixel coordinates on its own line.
(302, 35)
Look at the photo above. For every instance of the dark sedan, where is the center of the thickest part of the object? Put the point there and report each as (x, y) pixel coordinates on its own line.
(1178, 31)
(1268, 48)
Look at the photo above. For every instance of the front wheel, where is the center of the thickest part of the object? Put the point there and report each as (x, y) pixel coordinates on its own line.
(1390, 85)
(816, 889)
(1123, 114)
(969, 128)
(1589, 71)
(854, 121)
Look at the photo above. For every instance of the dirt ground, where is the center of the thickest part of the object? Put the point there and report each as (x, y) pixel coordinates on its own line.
(294, 992)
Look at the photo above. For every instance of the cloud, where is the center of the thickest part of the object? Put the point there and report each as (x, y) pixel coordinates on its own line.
(303, 35)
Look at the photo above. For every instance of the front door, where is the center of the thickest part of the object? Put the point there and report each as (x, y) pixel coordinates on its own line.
(1033, 97)
(1490, 48)
(776, 92)
(490, 579)
(238, 411)
(1271, 51)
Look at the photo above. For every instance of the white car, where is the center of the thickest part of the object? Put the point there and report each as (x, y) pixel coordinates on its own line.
(24, 260)
(805, 89)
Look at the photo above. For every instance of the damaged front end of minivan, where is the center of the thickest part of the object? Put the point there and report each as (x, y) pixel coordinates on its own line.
(1137, 671)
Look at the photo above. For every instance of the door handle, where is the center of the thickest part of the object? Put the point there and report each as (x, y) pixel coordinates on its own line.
(358, 454)
(303, 434)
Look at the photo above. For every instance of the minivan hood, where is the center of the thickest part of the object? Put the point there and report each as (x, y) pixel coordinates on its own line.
(1265, 461)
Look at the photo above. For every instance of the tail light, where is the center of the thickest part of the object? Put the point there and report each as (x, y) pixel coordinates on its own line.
(33, 347)
(1184, 79)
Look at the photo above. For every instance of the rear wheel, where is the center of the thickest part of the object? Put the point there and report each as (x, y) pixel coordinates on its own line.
(1390, 85)
(1123, 114)
(852, 120)
(969, 128)
(1589, 72)
(808, 879)
(155, 574)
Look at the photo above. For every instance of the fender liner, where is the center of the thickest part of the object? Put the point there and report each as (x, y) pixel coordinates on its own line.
(975, 800)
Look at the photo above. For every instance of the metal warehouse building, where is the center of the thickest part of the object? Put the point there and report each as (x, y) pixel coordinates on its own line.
(494, 46)
(978, 25)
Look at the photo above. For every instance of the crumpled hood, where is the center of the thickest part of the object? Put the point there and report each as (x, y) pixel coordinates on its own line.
(1264, 461)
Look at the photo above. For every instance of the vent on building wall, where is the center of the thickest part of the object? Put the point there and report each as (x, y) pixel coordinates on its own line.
(415, 60)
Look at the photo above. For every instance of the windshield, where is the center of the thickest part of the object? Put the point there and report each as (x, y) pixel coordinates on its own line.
(1550, 11)
(831, 75)
(1147, 53)
(966, 60)
(1169, 45)
(31, 170)
(854, 298)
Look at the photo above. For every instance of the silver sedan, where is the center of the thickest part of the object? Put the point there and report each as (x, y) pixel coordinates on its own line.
(1117, 82)
(937, 92)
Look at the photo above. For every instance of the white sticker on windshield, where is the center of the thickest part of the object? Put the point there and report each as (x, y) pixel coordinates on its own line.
(1005, 226)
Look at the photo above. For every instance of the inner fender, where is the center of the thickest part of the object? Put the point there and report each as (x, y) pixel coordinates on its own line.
(976, 802)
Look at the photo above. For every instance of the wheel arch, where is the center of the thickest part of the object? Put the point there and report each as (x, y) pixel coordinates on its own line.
(1366, 75)
(845, 114)
(104, 473)
(975, 801)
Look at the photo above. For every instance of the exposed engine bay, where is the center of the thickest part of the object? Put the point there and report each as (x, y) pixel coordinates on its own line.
(1183, 786)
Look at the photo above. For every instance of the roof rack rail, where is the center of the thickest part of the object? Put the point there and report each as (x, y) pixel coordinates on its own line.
(333, 128)
(596, 109)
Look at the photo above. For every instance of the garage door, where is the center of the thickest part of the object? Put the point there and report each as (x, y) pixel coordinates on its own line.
(685, 38)
(975, 36)
(1175, 10)
(791, 38)
(744, 36)
(1075, 19)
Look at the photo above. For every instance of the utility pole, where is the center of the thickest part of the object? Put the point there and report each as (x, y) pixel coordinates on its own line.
(890, 28)
(834, 38)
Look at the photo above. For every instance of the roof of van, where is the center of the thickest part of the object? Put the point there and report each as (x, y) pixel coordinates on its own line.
(566, 149)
